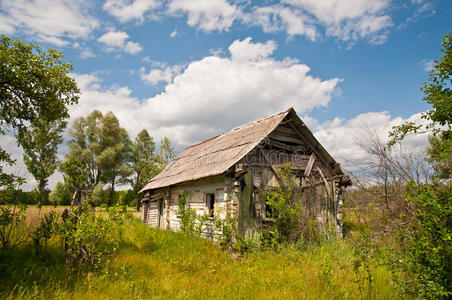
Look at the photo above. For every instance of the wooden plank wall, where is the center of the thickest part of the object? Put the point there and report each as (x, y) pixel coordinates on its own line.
(196, 192)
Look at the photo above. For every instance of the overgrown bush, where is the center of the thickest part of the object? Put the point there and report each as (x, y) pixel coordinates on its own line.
(90, 239)
(47, 228)
(426, 245)
(285, 211)
(13, 226)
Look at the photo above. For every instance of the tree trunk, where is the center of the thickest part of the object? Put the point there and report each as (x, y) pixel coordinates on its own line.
(41, 188)
(112, 190)
(138, 201)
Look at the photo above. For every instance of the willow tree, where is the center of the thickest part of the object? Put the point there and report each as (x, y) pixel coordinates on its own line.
(98, 152)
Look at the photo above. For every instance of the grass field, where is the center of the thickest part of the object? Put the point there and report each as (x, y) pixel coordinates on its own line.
(152, 264)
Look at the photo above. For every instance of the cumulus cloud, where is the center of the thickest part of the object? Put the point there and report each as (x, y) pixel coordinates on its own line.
(54, 22)
(207, 15)
(211, 95)
(248, 51)
(342, 137)
(125, 10)
(282, 18)
(214, 94)
(161, 75)
(348, 20)
(118, 41)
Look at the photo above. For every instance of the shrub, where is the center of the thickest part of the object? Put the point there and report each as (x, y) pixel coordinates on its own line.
(285, 211)
(91, 239)
(426, 245)
(13, 227)
(47, 228)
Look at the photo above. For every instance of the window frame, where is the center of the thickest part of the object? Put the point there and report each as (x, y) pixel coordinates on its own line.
(208, 200)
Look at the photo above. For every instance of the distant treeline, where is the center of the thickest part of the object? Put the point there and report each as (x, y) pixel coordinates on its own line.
(32, 197)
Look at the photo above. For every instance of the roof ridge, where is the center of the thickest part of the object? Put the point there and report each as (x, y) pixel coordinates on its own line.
(208, 162)
(240, 127)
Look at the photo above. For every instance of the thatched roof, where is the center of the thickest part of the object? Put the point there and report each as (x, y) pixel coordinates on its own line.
(216, 155)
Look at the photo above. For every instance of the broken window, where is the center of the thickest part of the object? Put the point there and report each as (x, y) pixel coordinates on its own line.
(210, 204)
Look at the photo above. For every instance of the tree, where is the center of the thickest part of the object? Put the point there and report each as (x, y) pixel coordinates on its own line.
(437, 92)
(143, 162)
(99, 152)
(166, 153)
(33, 85)
(40, 144)
(60, 195)
(116, 154)
(80, 166)
(426, 242)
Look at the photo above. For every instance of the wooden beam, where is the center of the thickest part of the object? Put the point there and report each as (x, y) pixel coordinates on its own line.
(311, 161)
(285, 129)
(285, 138)
(324, 181)
(305, 186)
(287, 147)
(281, 145)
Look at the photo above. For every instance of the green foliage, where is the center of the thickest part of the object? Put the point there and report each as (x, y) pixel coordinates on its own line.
(143, 162)
(13, 228)
(40, 145)
(11, 195)
(440, 155)
(48, 226)
(91, 239)
(426, 245)
(190, 222)
(438, 93)
(126, 197)
(99, 152)
(34, 87)
(285, 210)
(227, 227)
(166, 154)
(60, 195)
(199, 270)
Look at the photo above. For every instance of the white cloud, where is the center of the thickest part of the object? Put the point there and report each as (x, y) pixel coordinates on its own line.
(349, 20)
(346, 20)
(213, 94)
(248, 51)
(421, 9)
(173, 34)
(54, 22)
(87, 53)
(158, 75)
(427, 64)
(126, 10)
(117, 41)
(207, 15)
(282, 18)
(341, 137)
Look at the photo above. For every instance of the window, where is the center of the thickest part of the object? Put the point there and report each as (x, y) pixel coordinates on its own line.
(210, 204)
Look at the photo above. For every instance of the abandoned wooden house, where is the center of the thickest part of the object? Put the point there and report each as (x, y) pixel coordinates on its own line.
(227, 174)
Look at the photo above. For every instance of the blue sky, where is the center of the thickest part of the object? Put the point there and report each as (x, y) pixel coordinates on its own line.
(193, 69)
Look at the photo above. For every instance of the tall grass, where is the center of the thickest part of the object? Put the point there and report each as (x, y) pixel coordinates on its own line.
(154, 263)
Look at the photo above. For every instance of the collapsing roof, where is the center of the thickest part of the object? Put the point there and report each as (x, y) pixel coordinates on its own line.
(217, 155)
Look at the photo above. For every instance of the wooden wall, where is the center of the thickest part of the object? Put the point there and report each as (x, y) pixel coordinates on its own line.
(321, 202)
(195, 192)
